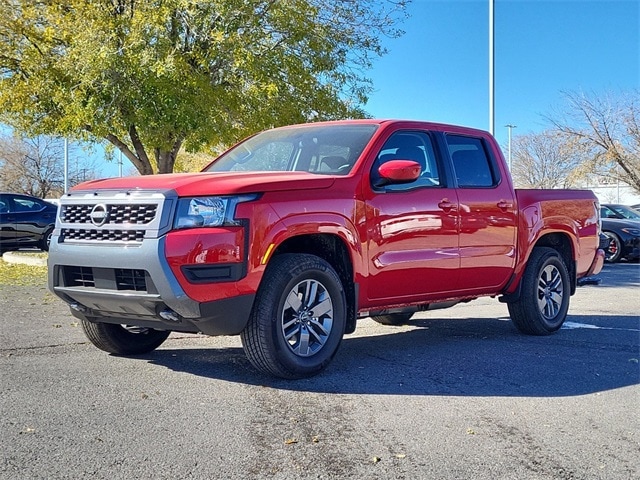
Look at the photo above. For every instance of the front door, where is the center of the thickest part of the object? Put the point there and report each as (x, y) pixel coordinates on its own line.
(412, 229)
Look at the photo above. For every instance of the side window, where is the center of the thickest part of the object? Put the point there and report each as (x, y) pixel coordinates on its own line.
(4, 205)
(470, 161)
(409, 145)
(26, 205)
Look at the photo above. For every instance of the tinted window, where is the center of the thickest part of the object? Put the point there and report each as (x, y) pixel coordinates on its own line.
(470, 161)
(409, 145)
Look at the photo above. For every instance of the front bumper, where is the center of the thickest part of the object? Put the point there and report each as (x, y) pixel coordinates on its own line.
(134, 286)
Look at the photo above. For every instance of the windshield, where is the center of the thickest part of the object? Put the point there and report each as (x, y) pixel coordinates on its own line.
(619, 211)
(322, 149)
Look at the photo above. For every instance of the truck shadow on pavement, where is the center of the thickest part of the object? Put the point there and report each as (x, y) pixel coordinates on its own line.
(452, 357)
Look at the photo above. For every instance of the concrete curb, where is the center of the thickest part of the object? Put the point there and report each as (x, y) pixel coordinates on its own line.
(12, 257)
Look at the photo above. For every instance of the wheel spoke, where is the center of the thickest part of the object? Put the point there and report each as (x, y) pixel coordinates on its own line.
(322, 308)
(303, 342)
(312, 292)
(286, 325)
(319, 326)
(292, 333)
(293, 300)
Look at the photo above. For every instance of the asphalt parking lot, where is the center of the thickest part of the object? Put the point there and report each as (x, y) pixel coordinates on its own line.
(456, 394)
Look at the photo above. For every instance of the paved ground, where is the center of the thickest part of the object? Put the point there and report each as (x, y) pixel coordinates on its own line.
(458, 394)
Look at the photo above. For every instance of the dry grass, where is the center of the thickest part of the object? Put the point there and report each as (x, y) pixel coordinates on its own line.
(22, 275)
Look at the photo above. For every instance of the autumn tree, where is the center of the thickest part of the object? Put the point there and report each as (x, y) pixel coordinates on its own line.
(607, 128)
(35, 166)
(153, 77)
(546, 160)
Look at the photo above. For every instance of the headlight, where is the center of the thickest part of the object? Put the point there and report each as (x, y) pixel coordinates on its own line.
(207, 211)
(632, 231)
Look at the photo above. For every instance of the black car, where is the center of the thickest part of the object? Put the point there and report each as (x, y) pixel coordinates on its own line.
(25, 221)
(622, 225)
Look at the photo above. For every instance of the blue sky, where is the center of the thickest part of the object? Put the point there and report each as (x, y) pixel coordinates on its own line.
(439, 70)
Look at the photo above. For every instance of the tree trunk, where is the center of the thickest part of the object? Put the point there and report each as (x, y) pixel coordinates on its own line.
(166, 159)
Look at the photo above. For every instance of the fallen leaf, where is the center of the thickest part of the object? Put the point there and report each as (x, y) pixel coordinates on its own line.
(290, 441)
(376, 459)
(57, 325)
(470, 431)
(400, 455)
(315, 439)
(144, 396)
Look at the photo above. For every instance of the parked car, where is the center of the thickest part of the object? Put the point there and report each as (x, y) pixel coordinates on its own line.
(622, 225)
(25, 221)
(636, 207)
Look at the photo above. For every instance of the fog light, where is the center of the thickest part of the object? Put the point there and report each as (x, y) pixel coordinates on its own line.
(78, 307)
(169, 315)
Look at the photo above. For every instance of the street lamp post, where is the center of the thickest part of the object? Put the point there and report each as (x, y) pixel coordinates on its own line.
(509, 126)
(492, 123)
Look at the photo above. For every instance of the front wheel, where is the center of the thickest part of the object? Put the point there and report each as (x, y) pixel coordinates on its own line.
(123, 339)
(298, 318)
(544, 297)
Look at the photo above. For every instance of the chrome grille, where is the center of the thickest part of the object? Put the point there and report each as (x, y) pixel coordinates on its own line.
(136, 214)
(103, 235)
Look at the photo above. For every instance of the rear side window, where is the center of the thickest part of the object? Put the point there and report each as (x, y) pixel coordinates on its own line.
(472, 165)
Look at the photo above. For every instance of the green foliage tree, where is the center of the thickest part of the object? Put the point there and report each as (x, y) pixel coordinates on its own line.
(153, 77)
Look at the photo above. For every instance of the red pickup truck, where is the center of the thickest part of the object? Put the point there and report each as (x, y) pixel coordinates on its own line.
(295, 233)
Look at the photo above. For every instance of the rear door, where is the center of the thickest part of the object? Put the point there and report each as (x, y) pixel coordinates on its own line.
(412, 229)
(488, 217)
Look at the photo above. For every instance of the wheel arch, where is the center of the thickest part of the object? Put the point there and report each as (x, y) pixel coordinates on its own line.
(334, 250)
(559, 241)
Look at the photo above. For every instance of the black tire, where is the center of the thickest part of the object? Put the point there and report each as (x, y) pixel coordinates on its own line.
(285, 337)
(46, 240)
(393, 318)
(122, 340)
(544, 296)
(614, 251)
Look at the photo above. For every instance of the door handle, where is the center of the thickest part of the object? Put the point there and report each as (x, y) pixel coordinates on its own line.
(503, 205)
(445, 205)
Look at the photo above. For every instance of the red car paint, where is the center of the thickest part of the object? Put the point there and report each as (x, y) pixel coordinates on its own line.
(405, 248)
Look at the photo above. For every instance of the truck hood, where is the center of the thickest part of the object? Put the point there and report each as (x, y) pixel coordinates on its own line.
(219, 183)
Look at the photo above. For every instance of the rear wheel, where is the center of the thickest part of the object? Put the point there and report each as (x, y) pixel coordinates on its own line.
(298, 318)
(123, 339)
(393, 318)
(614, 251)
(544, 296)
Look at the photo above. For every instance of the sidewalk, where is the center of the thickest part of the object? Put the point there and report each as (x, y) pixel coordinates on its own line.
(25, 257)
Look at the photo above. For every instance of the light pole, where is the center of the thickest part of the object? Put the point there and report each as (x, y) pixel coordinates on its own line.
(66, 165)
(492, 123)
(509, 126)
